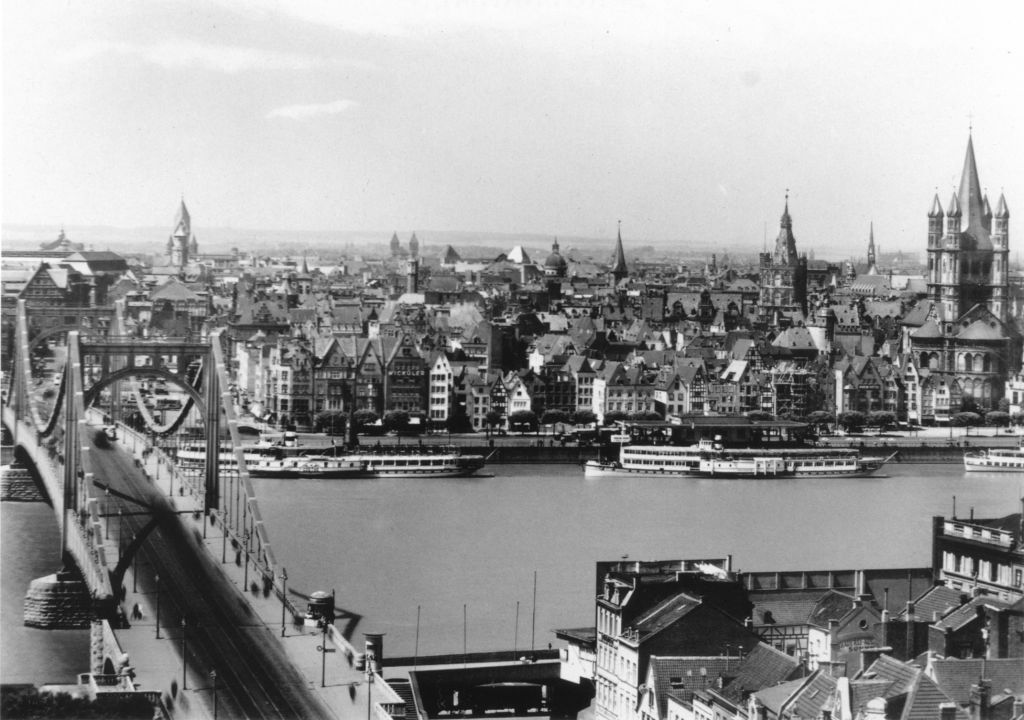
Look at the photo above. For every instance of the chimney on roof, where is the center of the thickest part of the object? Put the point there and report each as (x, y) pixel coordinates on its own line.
(947, 711)
(911, 630)
(981, 695)
(875, 709)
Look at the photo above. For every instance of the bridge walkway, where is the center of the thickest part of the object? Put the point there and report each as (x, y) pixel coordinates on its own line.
(344, 691)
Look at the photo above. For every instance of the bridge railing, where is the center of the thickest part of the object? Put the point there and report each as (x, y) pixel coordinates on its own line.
(88, 557)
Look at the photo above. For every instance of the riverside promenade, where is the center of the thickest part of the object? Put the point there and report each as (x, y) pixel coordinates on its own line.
(158, 664)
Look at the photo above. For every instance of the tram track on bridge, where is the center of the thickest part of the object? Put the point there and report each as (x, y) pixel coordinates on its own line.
(222, 631)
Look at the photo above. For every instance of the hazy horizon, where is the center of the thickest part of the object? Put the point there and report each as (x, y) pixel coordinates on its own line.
(688, 122)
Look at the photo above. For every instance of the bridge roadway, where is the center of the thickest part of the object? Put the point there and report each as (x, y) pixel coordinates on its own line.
(255, 677)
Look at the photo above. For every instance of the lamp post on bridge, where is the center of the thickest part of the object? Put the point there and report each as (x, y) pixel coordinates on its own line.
(284, 596)
(245, 555)
(135, 567)
(224, 537)
(213, 678)
(184, 659)
(157, 578)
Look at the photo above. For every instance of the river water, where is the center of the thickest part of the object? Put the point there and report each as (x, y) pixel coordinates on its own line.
(389, 547)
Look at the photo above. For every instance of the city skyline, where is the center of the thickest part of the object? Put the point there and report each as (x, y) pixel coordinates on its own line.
(688, 124)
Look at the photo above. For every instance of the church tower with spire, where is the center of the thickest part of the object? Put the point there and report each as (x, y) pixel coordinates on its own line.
(872, 264)
(967, 260)
(783, 285)
(181, 240)
(618, 269)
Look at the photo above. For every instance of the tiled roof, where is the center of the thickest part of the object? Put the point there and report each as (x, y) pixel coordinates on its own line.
(665, 614)
(815, 694)
(930, 330)
(924, 701)
(980, 330)
(939, 599)
(682, 676)
(762, 667)
(968, 612)
(955, 677)
(787, 607)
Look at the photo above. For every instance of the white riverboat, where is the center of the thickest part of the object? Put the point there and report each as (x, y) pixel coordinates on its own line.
(710, 459)
(420, 463)
(193, 456)
(995, 460)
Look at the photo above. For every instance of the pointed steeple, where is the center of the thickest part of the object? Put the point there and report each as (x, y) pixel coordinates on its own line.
(619, 269)
(872, 268)
(986, 210)
(936, 211)
(785, 243)
(1001, 210)
(305, 267)
(970, 194)
(954, 207)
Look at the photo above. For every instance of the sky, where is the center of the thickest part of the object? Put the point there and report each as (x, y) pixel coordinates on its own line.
(687, 121)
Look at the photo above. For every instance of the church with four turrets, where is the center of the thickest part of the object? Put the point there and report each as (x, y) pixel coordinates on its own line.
(968, 334)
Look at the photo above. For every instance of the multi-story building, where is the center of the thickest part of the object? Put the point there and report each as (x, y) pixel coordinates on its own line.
(441, 390)
(980, 556)
(404, 374)
(668, 608)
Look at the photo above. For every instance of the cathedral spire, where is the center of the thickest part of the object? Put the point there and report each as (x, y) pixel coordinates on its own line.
(619, 269)
(936, 211)
(872, 269)
(970, 194)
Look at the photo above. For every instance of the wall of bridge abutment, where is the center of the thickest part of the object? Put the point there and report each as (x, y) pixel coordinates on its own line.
(63, 600)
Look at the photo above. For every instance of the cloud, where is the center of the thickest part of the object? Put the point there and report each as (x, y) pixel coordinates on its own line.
(230, 59)
(304, 112)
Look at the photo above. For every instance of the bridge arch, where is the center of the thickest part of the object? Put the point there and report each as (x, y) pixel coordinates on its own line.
(152, 372)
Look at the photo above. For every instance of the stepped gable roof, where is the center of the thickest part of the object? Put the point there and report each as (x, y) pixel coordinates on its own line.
(955, 676)
(981, 330)
(929, 331)
(682, 676)
(762, 667)
(939, 599)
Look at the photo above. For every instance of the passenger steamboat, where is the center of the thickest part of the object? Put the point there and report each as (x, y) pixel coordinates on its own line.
(266, 460)
(995, 460)
(710, 459)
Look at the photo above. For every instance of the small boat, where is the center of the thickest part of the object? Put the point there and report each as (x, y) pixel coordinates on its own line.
(995, 460)
(710, 459)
